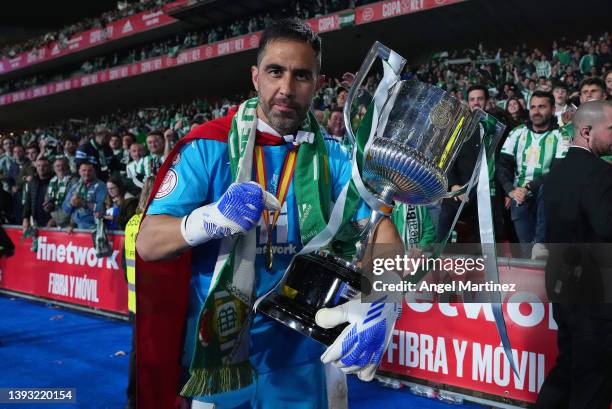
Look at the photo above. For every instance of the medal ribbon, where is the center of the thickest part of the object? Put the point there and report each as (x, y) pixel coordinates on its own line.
(286, 175)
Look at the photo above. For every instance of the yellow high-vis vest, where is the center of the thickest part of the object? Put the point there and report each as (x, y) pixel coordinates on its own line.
(131, 230)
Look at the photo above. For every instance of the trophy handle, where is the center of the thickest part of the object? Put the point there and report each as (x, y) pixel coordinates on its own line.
(377, 50)
(495, 129)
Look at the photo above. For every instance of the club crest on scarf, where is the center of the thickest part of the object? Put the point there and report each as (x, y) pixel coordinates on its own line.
(222, 322)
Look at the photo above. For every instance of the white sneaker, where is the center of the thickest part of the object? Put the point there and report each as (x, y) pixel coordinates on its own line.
(539, 252)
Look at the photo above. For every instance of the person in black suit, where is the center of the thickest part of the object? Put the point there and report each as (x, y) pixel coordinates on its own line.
(460, 173)
(578, 206)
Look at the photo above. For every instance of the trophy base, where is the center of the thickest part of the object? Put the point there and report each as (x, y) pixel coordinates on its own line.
(294, 316)
(312, 282)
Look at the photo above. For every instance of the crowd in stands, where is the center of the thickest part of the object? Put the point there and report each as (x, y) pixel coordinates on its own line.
(172, 45)
(123, 9)
(298, 8)
(73, 172)
(517, 73)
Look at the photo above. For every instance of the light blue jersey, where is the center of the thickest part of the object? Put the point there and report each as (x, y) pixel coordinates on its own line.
(199, 176)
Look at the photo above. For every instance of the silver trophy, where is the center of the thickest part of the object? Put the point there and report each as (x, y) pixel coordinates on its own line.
(420, 129)
(419, 133)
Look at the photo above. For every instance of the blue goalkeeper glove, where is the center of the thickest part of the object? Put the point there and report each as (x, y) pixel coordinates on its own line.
(237, 211)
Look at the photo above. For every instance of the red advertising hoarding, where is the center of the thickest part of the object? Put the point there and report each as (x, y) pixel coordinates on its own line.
(65, 268)
(331, 22)
(457, 344)
(124, 27)
(201, 53)
(393, 8)
(453, 345)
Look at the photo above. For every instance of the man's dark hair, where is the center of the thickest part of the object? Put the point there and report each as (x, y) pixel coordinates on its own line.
(62, 159)
(544, 94)
(478, 87)
(86, 162)
(33, 145)
(70, 138)
(559, 84)
(198, 119)
(593, 81)
(290, 29)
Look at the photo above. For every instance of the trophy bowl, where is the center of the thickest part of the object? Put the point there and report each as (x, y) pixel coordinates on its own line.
(419, 134)
(413, 178)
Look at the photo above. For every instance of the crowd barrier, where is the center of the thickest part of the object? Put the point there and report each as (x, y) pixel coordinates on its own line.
(450, 346)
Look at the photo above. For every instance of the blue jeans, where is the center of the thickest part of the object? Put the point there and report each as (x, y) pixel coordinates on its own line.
(529, 220)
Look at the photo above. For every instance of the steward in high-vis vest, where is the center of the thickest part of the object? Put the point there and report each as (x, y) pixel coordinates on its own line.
(131, 230)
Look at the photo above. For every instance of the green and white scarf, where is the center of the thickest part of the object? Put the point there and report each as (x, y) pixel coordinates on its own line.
(56, 192)
(221, 358)
(413, 224)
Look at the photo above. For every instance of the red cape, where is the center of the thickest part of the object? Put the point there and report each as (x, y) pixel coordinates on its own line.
(161, 302)
(162, 297)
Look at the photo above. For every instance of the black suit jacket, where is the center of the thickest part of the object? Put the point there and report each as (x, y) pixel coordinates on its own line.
(461, 171)
(578, 205)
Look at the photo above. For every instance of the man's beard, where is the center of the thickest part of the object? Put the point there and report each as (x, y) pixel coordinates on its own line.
(285, 123)
(540, 120)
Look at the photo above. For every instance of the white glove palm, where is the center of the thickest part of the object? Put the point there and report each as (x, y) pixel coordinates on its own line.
(360, 346)
(237, 211)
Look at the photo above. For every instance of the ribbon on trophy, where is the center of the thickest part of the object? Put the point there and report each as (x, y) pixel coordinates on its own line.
(491, 132)
(487, 230)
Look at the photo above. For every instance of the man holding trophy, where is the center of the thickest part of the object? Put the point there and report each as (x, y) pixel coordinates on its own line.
(242, 207)
(267, 159)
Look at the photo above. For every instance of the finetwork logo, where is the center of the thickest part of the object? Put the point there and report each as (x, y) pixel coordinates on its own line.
(72, 254)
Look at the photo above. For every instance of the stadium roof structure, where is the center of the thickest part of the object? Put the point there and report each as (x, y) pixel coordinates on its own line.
(212, 12)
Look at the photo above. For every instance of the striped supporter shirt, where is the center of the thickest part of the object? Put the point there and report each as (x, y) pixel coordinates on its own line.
(533, 152)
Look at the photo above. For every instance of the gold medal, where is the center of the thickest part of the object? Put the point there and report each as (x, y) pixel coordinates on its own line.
(281, 193)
